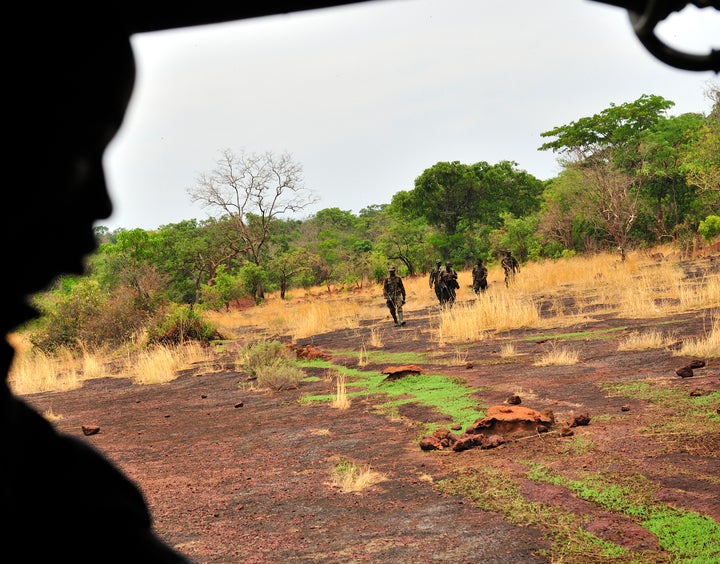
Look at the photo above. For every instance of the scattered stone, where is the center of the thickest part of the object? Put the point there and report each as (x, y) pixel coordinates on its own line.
(203, 396)
(566, 431)
(514, 400)
(697, 392)
(469, 365)
(625, 408)
(90, 430)
(684, 372)
(239, 404)
(309, 352)
(579, 420)
(696, 363)
(442, 439)
(439, 440)
(456, 427)
(467, 441)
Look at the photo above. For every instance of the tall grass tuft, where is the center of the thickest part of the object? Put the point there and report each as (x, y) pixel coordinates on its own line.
(341, 400)
(558, 356)
(707, 346)
(645, 340)
(350, 477)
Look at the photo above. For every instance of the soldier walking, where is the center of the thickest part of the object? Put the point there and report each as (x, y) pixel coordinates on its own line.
(435, 281)
(511, 266)
(448, 285)
(479, 277)
(394, 294)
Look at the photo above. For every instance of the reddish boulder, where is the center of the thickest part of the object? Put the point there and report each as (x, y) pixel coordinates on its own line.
(513, 420)
(396, 372)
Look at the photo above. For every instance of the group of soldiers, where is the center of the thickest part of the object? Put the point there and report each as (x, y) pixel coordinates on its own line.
(445, 283)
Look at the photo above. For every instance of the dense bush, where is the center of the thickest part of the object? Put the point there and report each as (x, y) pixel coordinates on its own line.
(180, 323)
(78, 314)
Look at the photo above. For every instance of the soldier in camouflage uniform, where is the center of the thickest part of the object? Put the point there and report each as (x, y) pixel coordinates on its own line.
(435, 279)
(448, 285)
(511, 266)
(394, 294)
(479, 277)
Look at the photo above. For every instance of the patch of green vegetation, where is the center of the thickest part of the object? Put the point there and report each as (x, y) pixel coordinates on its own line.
(690, 414)
(688, 536)
(579, 445)
(492, 490)
(448, 396)
(594, 335)
(381, 356)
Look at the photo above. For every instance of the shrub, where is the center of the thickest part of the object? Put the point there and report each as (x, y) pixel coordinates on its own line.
(279, 376)
(709, 227)
(272, 364)
(178, 324)
(264, 354)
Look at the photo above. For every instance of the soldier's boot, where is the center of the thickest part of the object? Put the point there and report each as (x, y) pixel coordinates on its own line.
(394, 316)
(400, 317)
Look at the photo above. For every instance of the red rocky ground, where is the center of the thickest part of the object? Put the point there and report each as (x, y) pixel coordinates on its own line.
(234, 475)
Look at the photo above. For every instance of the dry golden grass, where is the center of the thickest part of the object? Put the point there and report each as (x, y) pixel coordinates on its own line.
(645, 340)
(508, 350)
(161, 364)
(341, 400)
(33, 371)
(376, 338)
(363, 357)
(707, 346)
(570, 291)
(558, 356)
(51, 416)
(349, 477)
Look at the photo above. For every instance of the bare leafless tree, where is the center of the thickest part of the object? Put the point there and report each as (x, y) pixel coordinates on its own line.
(252, 190)
(614, 196)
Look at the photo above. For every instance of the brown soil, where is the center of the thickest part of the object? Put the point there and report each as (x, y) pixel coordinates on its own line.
(234, 475)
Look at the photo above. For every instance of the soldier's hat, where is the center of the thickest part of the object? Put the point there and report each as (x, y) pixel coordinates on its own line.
(438, 261)
(448, 263)
(392, 269)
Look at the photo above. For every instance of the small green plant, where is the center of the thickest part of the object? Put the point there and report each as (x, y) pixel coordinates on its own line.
(578, 445)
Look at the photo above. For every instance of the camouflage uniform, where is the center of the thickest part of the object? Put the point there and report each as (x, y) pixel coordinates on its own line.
(435, 279)
(394, 294)
(448, 284)
(510, 266)
(479, 277)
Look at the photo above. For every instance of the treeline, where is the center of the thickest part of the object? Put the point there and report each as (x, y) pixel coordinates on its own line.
(632, 176)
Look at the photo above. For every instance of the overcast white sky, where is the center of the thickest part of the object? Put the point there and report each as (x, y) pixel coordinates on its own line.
(366, 97)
